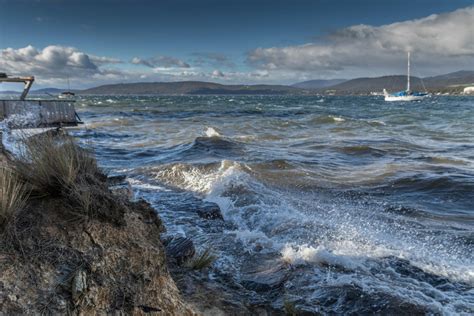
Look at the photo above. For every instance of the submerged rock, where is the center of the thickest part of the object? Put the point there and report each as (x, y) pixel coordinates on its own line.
(209, 210)
(263, 276)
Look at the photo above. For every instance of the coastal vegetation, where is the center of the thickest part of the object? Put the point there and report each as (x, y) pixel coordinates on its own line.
(13, 195)
(54, 165)
(201, 260)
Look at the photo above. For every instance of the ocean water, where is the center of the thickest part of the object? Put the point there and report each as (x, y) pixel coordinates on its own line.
(339, 204)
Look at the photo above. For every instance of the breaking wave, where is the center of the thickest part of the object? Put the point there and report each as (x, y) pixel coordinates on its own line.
(350, 206)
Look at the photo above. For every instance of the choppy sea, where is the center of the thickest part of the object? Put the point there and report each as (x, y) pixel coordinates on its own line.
(347, 204)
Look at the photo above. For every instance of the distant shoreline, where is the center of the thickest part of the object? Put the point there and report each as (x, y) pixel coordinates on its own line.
(452, 84)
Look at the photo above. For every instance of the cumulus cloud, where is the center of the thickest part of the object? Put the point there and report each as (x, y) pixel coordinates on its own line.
(213, 59)
(217, 74)
(437, 41)
(52, 62)
(160, 61)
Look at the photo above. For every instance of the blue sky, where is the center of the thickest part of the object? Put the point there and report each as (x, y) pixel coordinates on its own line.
(225, 41)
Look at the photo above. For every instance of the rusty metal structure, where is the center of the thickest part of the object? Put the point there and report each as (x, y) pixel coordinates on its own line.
(23, 113)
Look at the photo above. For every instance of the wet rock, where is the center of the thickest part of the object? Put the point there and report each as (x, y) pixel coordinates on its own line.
(123, 191)
(117, 180)
(209, 210)
(180, 249)
(264, 276)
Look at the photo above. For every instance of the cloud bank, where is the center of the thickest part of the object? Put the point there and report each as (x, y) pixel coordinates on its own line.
(55, 63)
(437, 41)
(213, 59)
(160, 61)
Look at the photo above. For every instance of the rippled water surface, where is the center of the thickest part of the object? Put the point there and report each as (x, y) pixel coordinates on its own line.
(352, 203)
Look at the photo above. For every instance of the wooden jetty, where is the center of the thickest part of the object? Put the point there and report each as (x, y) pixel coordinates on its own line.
(23, 113)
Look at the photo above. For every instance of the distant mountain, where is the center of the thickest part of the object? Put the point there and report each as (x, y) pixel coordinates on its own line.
(367, 85)
(54, 91)
(316, 84)
(189, 88)
(463, 77)
(9, 92)
(452, 82)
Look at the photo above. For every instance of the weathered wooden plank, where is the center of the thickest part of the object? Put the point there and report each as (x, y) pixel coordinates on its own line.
(38, 113)
(2, 109)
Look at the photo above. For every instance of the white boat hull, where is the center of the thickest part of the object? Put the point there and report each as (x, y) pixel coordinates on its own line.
(404, 98)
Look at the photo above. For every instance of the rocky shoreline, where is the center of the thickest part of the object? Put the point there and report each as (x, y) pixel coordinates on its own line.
(116, 259)
(52, 263)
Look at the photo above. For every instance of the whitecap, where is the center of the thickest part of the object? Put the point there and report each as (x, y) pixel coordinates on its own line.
(212, 132)
(337, 119)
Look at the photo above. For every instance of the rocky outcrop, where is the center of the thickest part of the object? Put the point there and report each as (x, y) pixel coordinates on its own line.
(87, 268)
(54, 263)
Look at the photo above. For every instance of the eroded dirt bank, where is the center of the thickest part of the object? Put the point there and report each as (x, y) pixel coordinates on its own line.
(52, 262)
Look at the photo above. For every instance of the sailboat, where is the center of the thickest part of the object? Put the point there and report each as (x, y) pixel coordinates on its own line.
(67, 94)
(406, 95)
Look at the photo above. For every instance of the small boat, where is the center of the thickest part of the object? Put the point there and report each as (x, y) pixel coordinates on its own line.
(406, 95)
(67, 95)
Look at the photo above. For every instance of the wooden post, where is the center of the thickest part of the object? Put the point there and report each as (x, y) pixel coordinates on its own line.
(27, 80)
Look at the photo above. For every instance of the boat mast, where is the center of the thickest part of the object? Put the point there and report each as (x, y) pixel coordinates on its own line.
(408, 73)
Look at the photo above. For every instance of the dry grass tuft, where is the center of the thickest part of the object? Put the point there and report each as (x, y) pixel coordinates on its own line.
(202, 260)
(54, 165)
(51, 165)
(13, 195)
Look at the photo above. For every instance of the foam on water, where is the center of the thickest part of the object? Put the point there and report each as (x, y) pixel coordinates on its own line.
(338, 119)
(28, 117)
(211, 132)
(347, 236)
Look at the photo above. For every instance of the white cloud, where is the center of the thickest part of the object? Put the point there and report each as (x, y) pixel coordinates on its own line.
(212, 59)
(439, 42)
(160, 61)
(52, 62)
(217, 74)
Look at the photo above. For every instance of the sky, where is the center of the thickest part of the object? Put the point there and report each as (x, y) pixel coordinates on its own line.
(269, 41)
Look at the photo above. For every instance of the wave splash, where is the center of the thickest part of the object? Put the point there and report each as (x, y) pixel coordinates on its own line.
(351, 240)
(211, 132)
